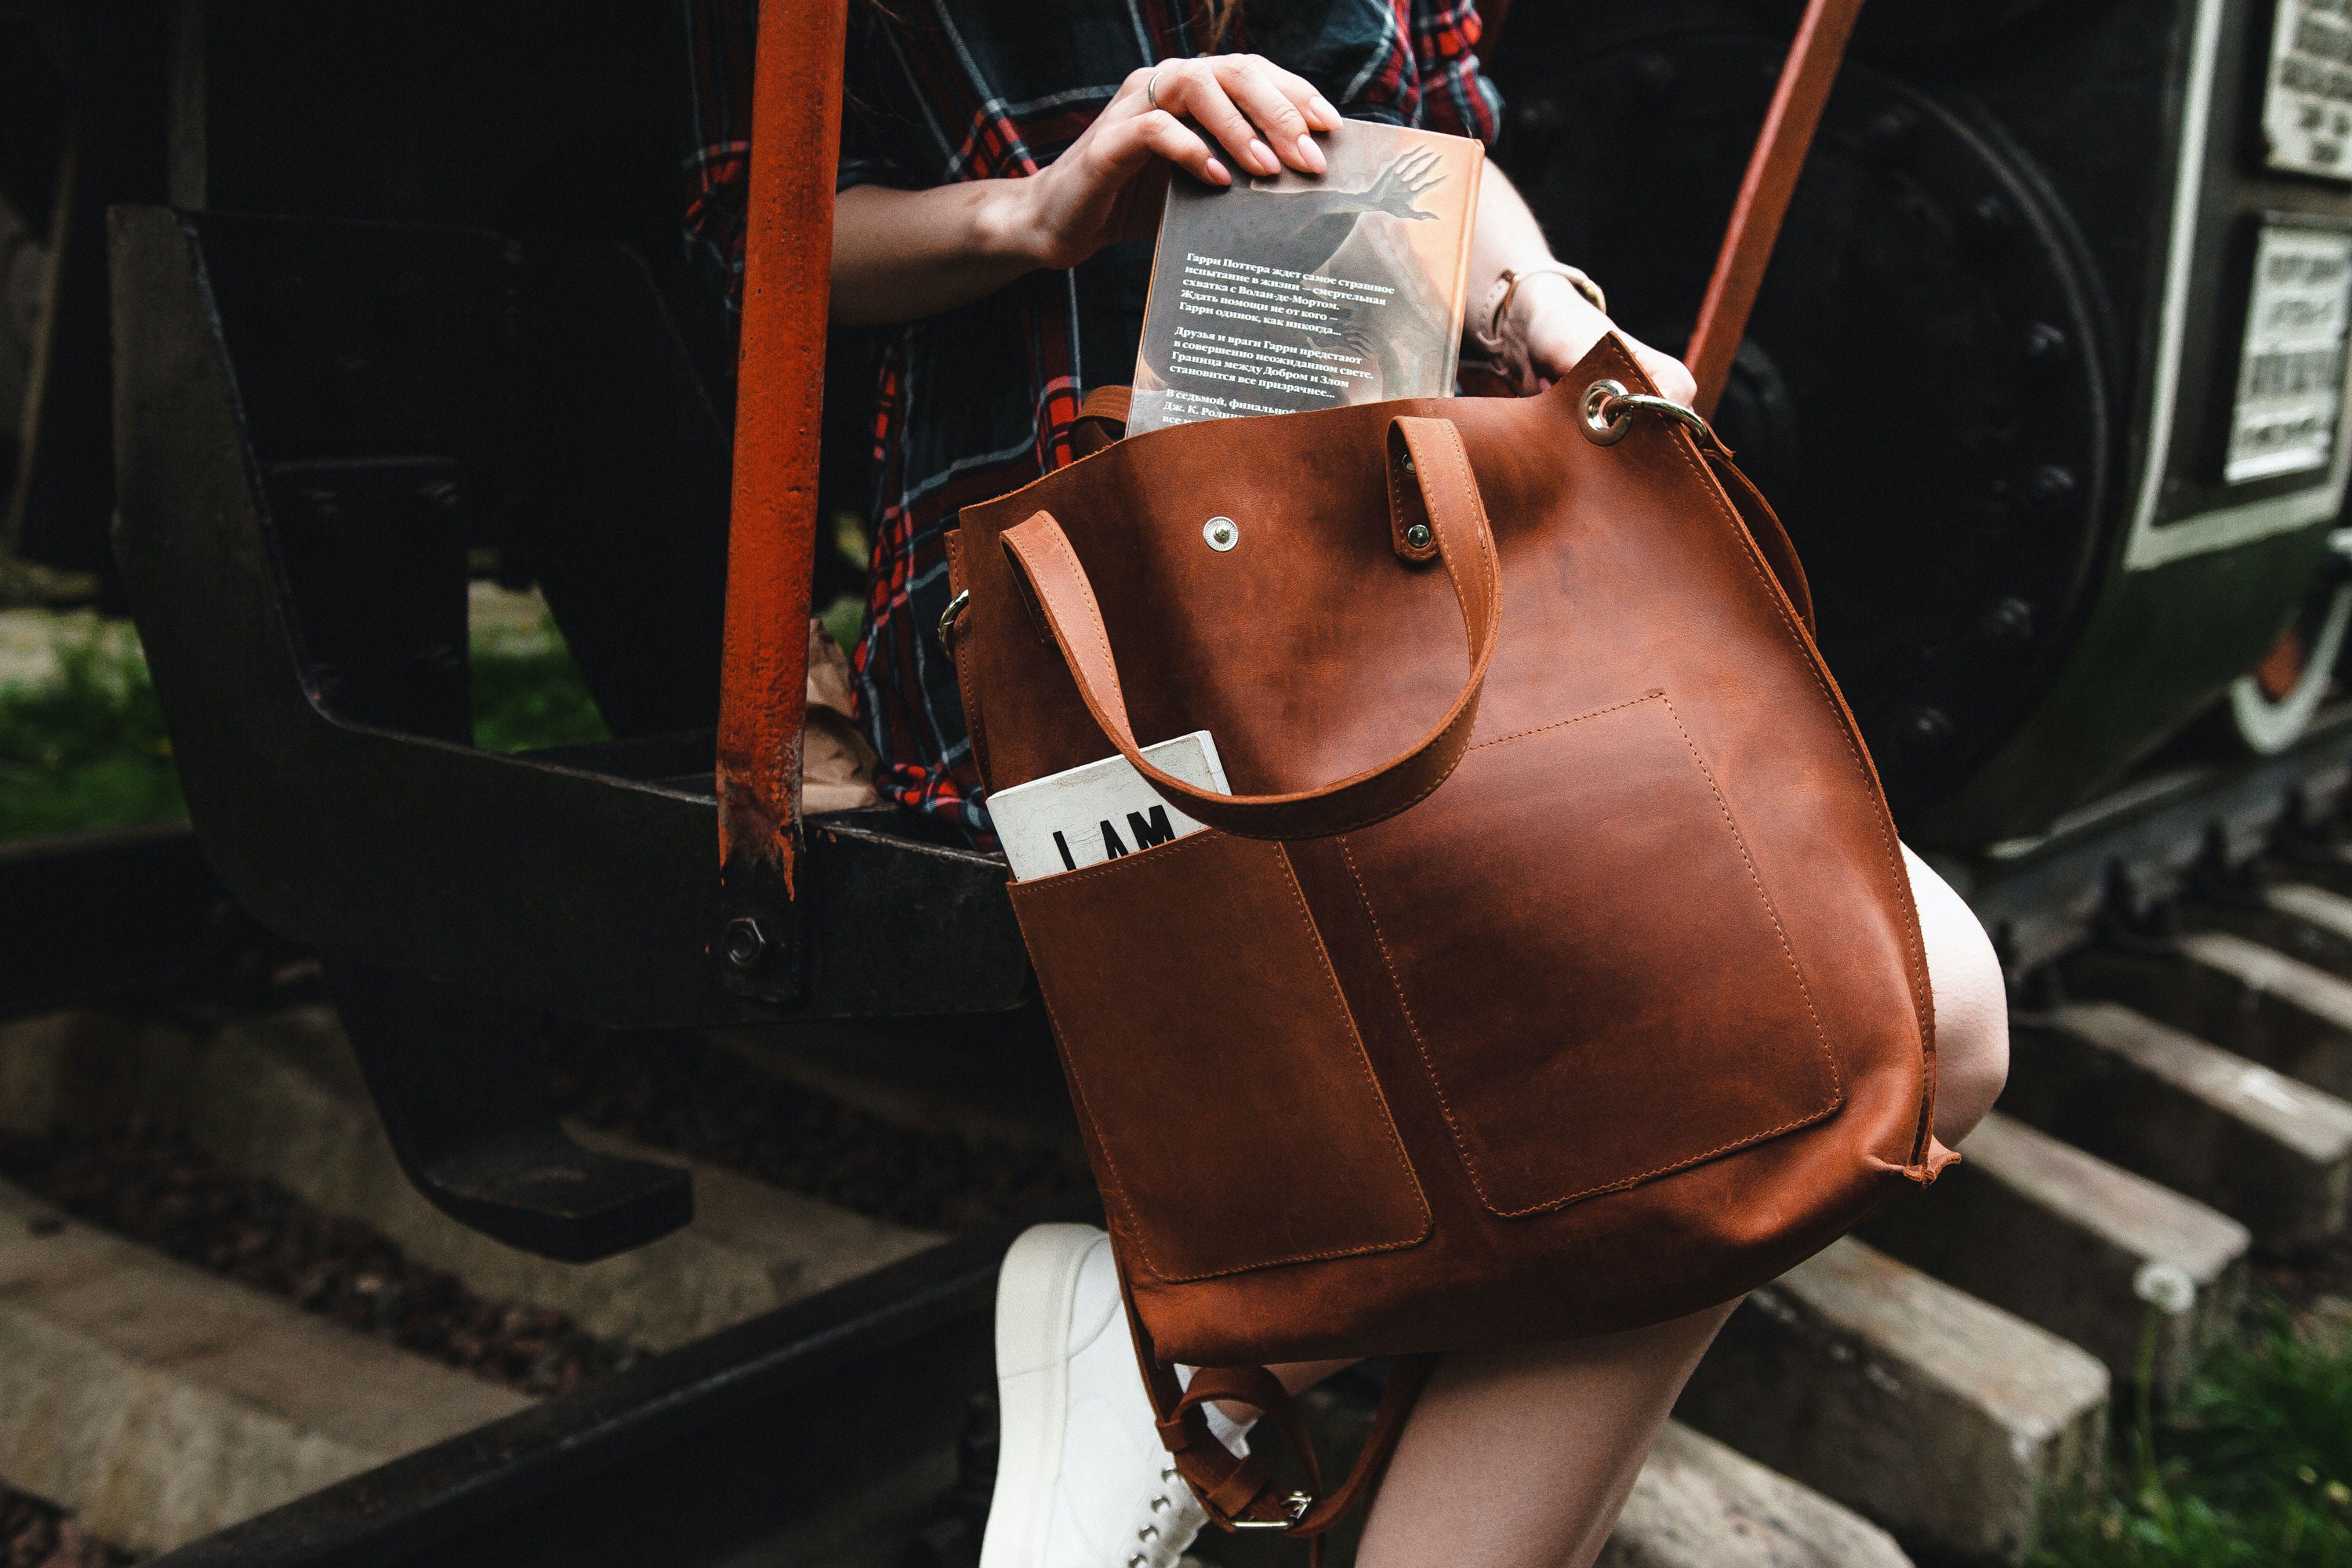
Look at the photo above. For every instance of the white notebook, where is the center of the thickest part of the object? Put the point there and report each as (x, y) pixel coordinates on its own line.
(1086, 816)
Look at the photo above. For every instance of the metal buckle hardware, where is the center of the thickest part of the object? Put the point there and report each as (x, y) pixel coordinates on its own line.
(948, 621)
(1297, 1502)
(1609, 409)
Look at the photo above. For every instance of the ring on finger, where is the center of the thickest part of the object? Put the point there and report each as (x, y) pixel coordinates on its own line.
(1150, 87)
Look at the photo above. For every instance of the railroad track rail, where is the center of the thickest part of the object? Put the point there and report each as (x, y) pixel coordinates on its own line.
(825, 1432)
(2183, 951)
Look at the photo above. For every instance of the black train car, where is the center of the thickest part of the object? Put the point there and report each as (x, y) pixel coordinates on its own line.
(2046, 376)
(2047, 379)
(2000, 382)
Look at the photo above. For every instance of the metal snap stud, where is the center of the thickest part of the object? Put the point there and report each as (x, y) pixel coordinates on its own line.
(1418, 536)
(1222, 533)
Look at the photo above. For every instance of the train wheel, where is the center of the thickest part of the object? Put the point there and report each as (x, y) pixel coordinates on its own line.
(1920, 394)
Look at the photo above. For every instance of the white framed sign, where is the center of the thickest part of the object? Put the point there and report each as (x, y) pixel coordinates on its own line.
(2307, 103)
(2288, 416)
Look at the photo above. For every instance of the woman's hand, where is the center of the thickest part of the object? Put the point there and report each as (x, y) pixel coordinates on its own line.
(1559, 326)
(1106, 187)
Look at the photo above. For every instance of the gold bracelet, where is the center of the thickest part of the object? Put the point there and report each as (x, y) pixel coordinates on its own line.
(1513, 277)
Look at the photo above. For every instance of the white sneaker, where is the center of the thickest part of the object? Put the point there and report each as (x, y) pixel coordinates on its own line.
(1082, 1480)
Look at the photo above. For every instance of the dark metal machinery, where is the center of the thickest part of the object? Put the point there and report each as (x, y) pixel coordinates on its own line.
(812, 1434)
(1989, 378)
(317, 413)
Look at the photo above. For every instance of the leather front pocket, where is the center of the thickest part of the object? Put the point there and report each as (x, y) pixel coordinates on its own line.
(1235, 1117)
(1593, 971)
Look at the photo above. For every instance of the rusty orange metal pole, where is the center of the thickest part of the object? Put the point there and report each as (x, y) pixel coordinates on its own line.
(1771, 180)
(780, 404)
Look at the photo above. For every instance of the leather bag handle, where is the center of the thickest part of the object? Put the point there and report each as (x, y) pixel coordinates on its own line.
(1771, 179)
(1102, 419)
(1430, 456)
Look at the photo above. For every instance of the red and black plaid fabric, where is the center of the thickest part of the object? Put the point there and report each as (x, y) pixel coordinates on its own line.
(978, 401)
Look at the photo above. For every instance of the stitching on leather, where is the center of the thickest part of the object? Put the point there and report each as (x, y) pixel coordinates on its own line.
(1165, 852)
(1352, 823)
(1364, 1058)
(975, 722)
(1396, 493)
(1466, 714)
(1731, 825)
(1487, 558)
(1412, 1023)
(1562, 723)
(1469, 1161)
(1490, 562)
(1110, 1166)
(1922, 991)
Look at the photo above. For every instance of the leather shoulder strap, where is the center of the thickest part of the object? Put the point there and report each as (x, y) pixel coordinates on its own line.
(1772, 539)
(1772, 170)
(1425, 455)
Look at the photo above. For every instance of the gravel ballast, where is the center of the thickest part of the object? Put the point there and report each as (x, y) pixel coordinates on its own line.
(150, 1184)
(690, 1094)
(35, 1533)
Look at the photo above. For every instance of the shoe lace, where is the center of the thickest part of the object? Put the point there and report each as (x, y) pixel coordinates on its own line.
(1159, 1504)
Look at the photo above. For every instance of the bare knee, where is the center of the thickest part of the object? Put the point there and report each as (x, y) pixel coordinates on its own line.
(1971, 1002)
(1971, 1067)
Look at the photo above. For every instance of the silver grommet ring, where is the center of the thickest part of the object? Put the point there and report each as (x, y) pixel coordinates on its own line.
(1609, 411)
(1606, 419)
(1222, 533)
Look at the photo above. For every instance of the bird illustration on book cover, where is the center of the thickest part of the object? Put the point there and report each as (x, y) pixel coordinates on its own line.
(1291, 292)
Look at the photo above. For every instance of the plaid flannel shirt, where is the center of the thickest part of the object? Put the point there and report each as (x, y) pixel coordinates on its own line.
(976, 402)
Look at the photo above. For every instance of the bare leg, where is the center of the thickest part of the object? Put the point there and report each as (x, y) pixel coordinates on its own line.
(1972, 1005)
(1522, 1458)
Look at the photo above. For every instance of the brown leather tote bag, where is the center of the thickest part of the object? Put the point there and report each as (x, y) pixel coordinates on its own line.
(1553, 968)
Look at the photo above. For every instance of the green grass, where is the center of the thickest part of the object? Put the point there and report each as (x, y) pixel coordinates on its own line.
(2252, 1469)
(87, 749)
(845, 618)
(526, 698)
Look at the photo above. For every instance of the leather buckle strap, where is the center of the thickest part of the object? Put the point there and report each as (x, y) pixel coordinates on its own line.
(1236, 1488)
(1043, 559)
(1102, 419)
(1238, 1493)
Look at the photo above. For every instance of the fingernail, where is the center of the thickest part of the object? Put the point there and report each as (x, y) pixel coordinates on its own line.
(1330, 115)
(1217, 173)
(1310, 154)
(1262, 158)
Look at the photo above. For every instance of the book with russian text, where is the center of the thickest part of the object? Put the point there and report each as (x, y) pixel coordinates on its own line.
(1290, 292)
